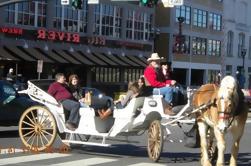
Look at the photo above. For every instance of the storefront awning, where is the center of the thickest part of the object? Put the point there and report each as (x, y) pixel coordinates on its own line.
(6, 55)
(19, 53)
(93, 58)
(105, 59)
(128, 61)
(53, 56)
(33, 52)
(141, 61)
(117, 60)
(66, 56)
(80, 57)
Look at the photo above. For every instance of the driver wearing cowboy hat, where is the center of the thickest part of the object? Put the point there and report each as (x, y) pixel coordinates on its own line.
(160, 86)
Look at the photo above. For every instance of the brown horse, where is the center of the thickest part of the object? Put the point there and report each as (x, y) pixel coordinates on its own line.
(226, 111)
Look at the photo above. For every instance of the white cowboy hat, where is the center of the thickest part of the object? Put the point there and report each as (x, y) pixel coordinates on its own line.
(154, 56)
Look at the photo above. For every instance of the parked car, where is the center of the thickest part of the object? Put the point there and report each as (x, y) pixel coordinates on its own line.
(12, 104)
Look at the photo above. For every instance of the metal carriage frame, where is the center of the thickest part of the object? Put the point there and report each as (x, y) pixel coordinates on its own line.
(39, 125)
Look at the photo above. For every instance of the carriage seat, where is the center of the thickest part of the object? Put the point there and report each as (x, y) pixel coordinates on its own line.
(130, 109)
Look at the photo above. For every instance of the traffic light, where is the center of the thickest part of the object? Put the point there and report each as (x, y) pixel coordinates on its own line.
(77, 4)
(149, 3)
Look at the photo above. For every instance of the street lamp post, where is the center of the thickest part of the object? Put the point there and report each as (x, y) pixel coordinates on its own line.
(180, 38)
(155, 35)
(243, 54)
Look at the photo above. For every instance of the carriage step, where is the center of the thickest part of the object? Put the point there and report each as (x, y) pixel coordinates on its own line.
(86, 143)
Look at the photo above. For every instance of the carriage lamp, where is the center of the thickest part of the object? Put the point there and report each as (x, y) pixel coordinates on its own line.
(243, 54)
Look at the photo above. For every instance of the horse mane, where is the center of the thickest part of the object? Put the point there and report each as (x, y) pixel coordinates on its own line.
(229, 88)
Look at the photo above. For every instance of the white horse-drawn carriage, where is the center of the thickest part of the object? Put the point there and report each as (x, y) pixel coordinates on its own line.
(39, 125)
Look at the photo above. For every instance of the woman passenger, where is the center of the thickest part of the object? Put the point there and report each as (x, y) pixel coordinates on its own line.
(76, 90)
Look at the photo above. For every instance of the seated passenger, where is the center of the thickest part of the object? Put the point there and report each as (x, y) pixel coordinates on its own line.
(159, 84)
(133, 91)
(59, 90)
(76, 90)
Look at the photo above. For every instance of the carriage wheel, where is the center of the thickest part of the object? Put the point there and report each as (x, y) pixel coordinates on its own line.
(155, 140)
(37, 128)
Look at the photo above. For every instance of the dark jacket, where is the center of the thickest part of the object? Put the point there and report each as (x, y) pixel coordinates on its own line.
(76, 92)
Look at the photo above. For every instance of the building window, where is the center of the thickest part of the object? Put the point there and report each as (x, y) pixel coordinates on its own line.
(213, 76)
(41, 14)
(138, 25)
(148, 26)
(183, 11)
(27, 13)
(228, 70)
(129, 24)
(10, 10)
(185, 49)
(215, 21)
(241, 44)
(67, 19)
(200, 18)
(108, 20)
(230, 40)
(214, 47)
(199, 46)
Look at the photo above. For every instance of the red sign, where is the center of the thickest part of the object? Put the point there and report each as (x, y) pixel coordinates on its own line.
(95, 40)
(54, 35)
(129, 44)
(10, 30)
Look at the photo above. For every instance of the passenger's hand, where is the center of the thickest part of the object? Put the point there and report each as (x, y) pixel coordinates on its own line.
(173, 82)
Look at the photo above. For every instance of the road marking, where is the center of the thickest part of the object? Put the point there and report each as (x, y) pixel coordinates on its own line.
(11, 151)
(248, 121)
(147, 164)
(90, 161)
(37, 157)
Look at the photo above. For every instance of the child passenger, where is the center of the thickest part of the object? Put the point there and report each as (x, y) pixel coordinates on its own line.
(133, 91)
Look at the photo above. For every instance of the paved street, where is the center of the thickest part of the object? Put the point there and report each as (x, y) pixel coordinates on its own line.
(132, 154)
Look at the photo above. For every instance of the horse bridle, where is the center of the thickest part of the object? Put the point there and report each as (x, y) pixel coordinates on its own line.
(226, 115)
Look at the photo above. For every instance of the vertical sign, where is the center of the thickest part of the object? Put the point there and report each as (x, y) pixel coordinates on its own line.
(39, 67)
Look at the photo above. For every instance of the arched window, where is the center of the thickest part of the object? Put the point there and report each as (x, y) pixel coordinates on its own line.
(241, 44)
(230, 40)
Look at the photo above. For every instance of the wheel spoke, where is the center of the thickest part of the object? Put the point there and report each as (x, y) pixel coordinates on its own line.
(28, 133)
(44, 131)
(44, 137)
(30, 119)
(41, 117)
(41, 139)
(37, 139)
(33, 140)
(33, 117)
(27, 128)
(28, 124)
(30, 137)
(47, 128)
(46, 117)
